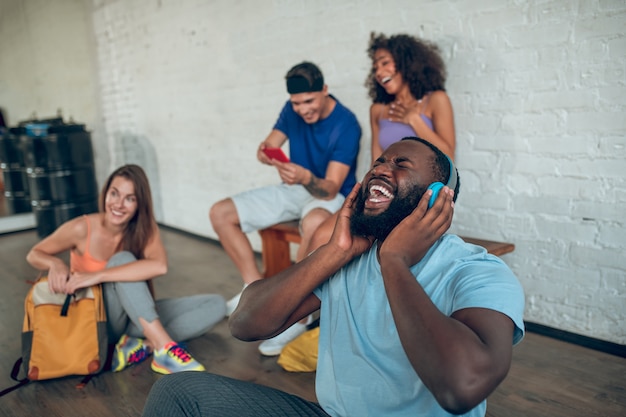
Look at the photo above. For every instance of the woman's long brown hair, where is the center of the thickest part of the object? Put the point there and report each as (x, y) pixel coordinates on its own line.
(141, 227)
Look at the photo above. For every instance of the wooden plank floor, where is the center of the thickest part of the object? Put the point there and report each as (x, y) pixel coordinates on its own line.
(547, 378)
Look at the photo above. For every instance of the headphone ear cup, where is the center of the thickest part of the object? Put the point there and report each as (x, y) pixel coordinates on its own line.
(436, 187)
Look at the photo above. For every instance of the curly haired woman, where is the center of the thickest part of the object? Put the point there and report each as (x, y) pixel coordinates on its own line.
(406, 84)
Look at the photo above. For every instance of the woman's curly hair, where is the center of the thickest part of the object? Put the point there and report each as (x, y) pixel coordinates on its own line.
(418, 61)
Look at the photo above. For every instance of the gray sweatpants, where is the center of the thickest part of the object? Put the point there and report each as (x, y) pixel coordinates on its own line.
(201, 394)
(183, 318)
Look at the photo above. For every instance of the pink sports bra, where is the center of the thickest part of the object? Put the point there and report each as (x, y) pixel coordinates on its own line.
(86, 262)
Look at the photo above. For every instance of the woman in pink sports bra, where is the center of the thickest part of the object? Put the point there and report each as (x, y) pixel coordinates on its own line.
(120, 248)
(406, 84)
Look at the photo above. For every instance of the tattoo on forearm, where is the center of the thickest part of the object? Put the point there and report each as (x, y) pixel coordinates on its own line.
(315, 187)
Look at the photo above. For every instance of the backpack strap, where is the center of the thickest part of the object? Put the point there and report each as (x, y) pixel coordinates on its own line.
(14, 387)
(16, 369)
(66, 305)
(20, 382)
(84, 381)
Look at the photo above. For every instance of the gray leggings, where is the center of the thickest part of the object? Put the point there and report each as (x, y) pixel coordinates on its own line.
(183, 318)
(201, 394)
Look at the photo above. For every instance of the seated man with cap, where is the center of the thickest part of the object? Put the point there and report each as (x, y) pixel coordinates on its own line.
(324, 140)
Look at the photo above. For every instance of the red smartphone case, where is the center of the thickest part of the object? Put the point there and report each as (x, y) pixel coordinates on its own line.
(276, 153)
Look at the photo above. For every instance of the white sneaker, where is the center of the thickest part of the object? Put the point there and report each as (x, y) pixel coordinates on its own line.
(275, 345)
(232, 304)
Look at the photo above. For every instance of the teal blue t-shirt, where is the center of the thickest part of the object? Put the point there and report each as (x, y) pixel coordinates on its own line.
(362, 369)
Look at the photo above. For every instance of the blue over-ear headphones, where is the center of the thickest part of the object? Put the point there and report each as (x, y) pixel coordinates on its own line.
(437, 186)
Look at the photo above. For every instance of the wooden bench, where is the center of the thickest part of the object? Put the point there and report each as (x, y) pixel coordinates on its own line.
(276, 254)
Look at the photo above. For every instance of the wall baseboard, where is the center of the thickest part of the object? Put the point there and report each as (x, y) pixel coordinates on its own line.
(17, 222)
(576, 339)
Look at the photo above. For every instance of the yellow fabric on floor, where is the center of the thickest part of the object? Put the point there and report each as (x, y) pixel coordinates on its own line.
(300, 355)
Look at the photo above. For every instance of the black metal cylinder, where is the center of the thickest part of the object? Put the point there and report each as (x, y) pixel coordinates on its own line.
(50, 215)
(11, 154)
(63, 185)
(61, 176)
(14, 178)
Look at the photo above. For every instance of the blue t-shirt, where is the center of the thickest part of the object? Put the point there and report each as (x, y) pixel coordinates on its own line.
(362, 369)
(313, 146)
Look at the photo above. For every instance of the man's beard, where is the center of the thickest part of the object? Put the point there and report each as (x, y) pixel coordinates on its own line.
(379, 226)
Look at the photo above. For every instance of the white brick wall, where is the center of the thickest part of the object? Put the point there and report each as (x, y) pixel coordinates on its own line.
(47, 63)
(189, 88)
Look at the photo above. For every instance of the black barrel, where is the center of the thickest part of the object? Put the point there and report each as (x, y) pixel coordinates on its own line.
(16, 187)
(63, 147)
(15, 180)
(60, 168)
(11, 154)
(50, 214)
(17, 202)
(63, 185)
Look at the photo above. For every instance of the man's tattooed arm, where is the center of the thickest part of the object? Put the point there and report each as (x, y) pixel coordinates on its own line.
(315, 186)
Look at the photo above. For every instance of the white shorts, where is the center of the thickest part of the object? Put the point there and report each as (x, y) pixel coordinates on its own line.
(266, 206)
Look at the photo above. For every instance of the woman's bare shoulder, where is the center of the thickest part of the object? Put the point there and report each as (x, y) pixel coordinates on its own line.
(67, 236)
(78, 225)
(439, 97)
(87, 223)
(377, 109)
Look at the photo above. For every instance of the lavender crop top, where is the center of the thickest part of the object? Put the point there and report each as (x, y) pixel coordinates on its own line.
(390, 132)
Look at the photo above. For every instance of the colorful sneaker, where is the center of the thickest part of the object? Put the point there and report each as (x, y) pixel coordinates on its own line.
(275, 345)
(174, 358)
(128, 351)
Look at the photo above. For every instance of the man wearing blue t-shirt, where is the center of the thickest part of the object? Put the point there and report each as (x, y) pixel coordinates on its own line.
(323, 146)
(413, 322)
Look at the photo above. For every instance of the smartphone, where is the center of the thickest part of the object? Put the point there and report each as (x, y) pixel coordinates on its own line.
(276, 153)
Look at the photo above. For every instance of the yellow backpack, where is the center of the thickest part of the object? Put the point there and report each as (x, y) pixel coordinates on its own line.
(62, 334)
